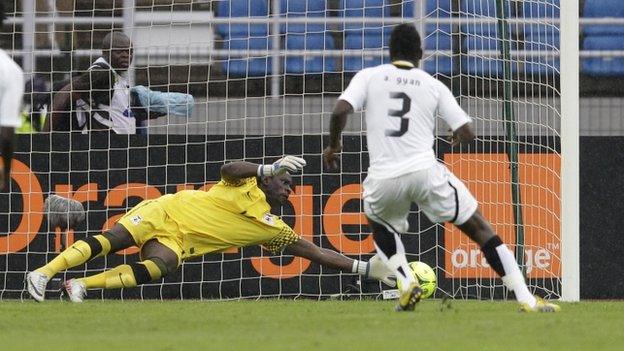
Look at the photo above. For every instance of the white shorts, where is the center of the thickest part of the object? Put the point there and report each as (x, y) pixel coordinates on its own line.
(436, 191)
(11, 92)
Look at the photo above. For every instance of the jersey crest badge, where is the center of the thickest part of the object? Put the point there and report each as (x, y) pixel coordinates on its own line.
(269, 219)
(136, 220)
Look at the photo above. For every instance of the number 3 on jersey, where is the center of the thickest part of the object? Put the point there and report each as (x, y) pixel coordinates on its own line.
(407, 103)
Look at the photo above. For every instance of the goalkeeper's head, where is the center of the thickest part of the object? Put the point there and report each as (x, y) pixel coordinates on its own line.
(276, 188)
(405, 44)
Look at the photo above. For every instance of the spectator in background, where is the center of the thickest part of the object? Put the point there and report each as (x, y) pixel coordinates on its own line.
(11, 95)
(100, 99)
(37, 101)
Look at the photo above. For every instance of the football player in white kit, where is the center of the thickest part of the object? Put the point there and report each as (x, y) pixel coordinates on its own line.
(11, 95)
(401, 103)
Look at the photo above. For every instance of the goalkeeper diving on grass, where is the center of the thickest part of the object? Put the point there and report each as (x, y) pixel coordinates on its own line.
(235, 212)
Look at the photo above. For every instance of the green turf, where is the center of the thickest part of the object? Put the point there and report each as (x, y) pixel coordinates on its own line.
(305, 325)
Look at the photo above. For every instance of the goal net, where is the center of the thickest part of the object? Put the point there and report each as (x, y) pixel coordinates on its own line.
(265, 76)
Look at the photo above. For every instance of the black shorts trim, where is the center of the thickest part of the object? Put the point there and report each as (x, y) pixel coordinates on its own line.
(456, 203)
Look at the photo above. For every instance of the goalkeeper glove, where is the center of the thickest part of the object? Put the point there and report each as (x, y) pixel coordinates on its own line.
(377, 269)
(285, 164)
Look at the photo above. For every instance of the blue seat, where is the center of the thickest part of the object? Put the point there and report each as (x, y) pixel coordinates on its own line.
(602, 8)
(433, 9)
(542, 40)
(603, 66)
(541, 9)
(437, 39)
(309, 64)
(303, 8)
(364, 8)
(242, 8)
(370, 41)
(484, 64)
(481, 29)
(479, 8)
(241, 66)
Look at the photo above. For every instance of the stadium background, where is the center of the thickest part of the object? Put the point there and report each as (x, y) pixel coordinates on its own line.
(241, 122)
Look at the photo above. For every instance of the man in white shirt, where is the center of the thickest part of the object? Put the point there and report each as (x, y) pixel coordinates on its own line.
(11, 95)
(99, 99)
(401, 103)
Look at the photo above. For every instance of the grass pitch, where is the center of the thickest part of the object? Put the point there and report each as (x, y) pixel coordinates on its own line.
(305, 325)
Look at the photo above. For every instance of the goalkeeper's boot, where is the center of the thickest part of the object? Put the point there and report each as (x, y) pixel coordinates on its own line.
(409, 297)
(74, 290)
(540, 306)
(36, 283)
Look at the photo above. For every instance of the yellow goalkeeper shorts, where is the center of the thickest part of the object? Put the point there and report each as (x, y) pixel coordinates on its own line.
(147, 221)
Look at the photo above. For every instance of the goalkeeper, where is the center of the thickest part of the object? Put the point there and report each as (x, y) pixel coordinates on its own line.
(235, 212)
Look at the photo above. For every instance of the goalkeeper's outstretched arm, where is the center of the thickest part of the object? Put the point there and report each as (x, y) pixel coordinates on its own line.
(374, 269)
(234, 171)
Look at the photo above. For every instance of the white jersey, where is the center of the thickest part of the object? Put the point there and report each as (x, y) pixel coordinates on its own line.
(11, 91)
(401, 106)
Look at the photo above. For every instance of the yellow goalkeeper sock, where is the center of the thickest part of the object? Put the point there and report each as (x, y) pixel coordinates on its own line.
(124, 276)
(77, 254)
(80, 252)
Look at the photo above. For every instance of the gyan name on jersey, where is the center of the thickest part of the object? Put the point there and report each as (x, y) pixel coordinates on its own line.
(404, 81)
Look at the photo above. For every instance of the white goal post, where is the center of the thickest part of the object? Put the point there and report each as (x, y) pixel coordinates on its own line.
(570, 213)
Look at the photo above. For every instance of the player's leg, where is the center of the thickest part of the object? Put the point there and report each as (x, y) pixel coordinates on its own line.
(158, 260)
(468, 218)
(498, 255)
(81, 251)
(134, 228)
(391, 250)
(386, 204)
(502, 260)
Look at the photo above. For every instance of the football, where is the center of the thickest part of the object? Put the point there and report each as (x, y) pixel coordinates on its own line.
(426, 277)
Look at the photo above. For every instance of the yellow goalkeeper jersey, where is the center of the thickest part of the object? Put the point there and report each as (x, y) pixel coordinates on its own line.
(228, 215)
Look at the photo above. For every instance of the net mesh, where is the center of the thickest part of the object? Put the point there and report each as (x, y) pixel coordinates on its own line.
(265, 76)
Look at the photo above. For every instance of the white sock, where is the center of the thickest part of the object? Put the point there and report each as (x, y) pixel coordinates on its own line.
(513, 279)
(397, 261)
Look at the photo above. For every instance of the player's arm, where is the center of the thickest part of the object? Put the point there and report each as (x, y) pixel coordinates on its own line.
(337, 123)
(7, 137)
(374, 269)
(462, 135)
(234, 171)
(352, 99)
(455, 117)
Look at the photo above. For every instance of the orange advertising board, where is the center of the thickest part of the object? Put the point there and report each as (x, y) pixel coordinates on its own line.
(488, 177)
